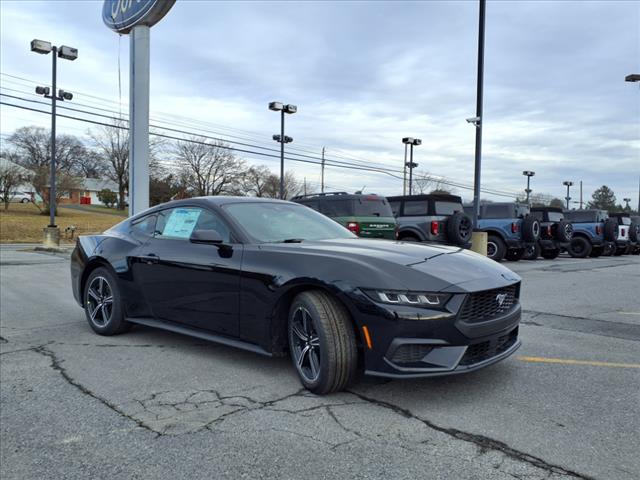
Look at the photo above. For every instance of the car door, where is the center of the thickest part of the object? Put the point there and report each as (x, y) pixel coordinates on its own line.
(192, 284)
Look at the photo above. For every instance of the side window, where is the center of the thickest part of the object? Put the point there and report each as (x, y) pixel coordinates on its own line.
(416, 207)
(538, 216)
(144, 227)
(313, 204)
(395, 207)
(179, 223)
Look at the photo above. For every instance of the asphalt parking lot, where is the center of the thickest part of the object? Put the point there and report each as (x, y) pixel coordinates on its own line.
(149, 404)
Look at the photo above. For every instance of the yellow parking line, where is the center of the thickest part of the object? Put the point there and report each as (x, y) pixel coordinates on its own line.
(577, 362)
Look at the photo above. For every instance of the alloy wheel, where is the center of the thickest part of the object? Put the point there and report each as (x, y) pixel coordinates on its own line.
(305, 344)
(492, 249)
(99, 301)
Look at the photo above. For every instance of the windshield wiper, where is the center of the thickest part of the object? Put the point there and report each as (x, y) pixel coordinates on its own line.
(293, 240)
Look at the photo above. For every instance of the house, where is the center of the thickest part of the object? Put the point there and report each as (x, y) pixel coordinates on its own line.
(88, 192)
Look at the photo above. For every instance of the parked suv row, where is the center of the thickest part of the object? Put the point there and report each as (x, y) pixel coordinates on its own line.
(510, 227)
(594, 233)
(555, 233)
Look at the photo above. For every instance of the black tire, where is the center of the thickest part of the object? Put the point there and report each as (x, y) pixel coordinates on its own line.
(24, 200)
(596, 252)
(620, 251)
(550, 254)
(609, 250)
(515, 254)
(330, 340)
(459, 228)
(634, 231)
(531, 251)
(564, 231)
(579, 247)
(409, 238)
(611, 230)
(530, 229)
(496, 249)
(105, 318)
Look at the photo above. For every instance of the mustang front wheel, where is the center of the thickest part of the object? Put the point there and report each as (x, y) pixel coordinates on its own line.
(322, 342)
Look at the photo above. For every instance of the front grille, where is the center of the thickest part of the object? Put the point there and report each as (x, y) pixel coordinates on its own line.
(481, 306)
(480, 352)
(410, 353)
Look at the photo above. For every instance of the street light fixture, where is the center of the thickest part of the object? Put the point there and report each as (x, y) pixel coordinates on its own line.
(282, 138)
(634, 77)
(568, 184)
(52, 235)
(409, 141)
(627, 200)
(528, 174)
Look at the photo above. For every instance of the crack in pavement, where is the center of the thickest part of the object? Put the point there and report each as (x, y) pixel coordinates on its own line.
(169, 405)
(3, 340)
(56, 364)
(484, 443)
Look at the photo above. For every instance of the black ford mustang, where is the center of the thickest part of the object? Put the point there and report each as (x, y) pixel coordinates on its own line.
(276, 277)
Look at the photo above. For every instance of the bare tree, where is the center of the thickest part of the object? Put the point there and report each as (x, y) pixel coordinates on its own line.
(424, 182)
(32, 150)
(292, 186)
(11, 176)
(209, 168)
(113, 144)
(256, 181)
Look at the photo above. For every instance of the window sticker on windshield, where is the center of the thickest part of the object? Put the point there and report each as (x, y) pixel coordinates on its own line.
(181, 222)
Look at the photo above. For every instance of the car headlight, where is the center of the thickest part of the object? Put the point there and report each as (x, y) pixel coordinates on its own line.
(435, 301)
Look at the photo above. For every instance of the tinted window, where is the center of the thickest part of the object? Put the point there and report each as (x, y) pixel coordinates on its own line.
(179, 223)
(372, 207)
(275, 222)
(395, 208)
(498, 211)
(538, 215)
(311, 204)
(581, 216)
(144, 227)
(416, 207)
(447, 208)
(337, 208)
(555, 216)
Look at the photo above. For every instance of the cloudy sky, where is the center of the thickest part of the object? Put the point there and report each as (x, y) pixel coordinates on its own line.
(364, 75)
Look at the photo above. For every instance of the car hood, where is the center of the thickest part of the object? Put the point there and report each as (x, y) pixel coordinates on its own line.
(415, 266)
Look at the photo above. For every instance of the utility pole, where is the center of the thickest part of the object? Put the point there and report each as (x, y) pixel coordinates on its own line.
(479, 121)
(322, 173)
(568, 184)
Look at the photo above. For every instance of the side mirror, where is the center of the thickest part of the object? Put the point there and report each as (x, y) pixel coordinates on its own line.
(210, 237)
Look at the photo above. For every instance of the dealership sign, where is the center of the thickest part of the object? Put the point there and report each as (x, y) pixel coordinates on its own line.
(122, 15)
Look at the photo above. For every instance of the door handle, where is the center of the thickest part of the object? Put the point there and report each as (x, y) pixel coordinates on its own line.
(150, 258)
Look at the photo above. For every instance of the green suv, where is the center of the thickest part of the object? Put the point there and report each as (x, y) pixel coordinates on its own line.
(368, 216)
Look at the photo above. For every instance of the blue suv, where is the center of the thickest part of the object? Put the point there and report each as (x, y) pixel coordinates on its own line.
(594, 233)
(510, 228)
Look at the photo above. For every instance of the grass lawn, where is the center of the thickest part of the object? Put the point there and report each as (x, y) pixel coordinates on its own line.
(23, 223)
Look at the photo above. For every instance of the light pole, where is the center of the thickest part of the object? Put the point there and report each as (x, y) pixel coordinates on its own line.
(568, 184)
(282, 138)
(528, 174)
(406, 142)
(410, 141)
(634, 77)
(627, 200)
(67, 53)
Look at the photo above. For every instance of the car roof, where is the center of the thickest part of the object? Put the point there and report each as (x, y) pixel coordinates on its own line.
(546, 209)
(427, 196)
(620, 214)
(335, 196)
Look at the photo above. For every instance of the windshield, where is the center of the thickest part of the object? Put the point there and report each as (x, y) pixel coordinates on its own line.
(270, 222)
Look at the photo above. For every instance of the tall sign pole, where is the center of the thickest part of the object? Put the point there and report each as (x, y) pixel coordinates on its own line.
(139, 119)
(136, 18)
(479, 119)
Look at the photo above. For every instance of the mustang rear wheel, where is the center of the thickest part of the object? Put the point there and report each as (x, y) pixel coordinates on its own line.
(322, 342)
(103, 304)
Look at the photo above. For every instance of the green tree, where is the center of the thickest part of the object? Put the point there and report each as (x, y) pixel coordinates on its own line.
(603, 199)
(108, 197)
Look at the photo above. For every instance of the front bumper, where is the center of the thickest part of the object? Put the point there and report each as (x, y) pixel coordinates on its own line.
(412, 348)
